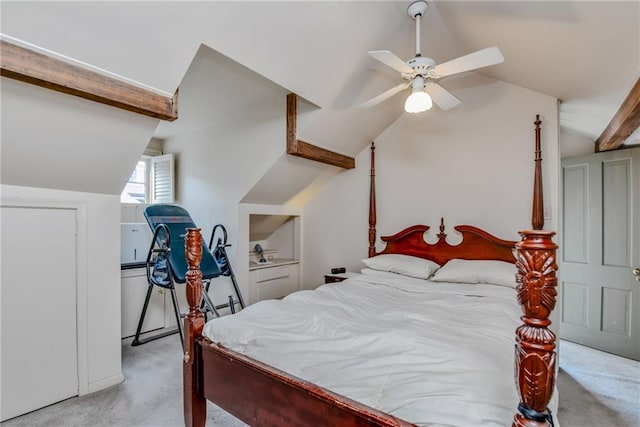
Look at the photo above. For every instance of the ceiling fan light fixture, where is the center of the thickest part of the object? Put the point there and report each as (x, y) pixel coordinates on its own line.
(419, 100)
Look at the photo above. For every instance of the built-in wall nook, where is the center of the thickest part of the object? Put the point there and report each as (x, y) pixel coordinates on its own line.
(274, 255)
(277, 229)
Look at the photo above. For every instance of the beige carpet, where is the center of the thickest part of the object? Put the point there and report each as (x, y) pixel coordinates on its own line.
(150, 396)
(596, 390)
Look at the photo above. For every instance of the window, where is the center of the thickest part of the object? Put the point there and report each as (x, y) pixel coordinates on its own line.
(151, 181)
(137, 188)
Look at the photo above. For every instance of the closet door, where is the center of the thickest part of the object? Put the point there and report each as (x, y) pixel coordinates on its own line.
(38, 312)
(600, 244)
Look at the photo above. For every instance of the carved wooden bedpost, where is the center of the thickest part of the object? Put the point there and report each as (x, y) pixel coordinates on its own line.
(535, 358)
(194, 403)
(372, 204)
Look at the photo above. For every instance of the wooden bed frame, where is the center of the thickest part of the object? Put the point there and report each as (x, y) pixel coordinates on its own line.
(261, 395)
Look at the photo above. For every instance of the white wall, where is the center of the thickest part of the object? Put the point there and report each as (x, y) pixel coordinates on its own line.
(471, 165)
(99, 345)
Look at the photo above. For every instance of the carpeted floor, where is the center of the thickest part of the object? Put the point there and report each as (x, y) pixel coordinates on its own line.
(150, 396)
(596, 390)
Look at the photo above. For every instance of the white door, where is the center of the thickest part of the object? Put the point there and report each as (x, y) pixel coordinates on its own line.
(38, 312)
(600, 249)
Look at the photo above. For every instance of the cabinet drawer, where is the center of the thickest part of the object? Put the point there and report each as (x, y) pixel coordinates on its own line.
(134, 290)
(272, 273)
(275, 281)
(275, 288)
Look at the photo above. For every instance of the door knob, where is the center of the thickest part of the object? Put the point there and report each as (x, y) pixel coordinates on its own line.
(636, 271)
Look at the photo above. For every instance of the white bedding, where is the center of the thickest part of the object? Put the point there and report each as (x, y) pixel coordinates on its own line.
(431, 354)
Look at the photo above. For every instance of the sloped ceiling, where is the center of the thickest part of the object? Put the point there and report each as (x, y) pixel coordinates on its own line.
(586, 54)
(583, 53)
(215, 88)
(263, 226)
(290, 181)
(53, 140)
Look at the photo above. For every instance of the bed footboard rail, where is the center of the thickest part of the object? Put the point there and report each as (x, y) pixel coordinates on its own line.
(535, 349)
(271, 397)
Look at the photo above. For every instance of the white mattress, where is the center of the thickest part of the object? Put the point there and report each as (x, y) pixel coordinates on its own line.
(431, 354)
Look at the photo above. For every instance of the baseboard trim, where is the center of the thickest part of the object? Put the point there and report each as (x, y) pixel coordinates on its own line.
(105, 382)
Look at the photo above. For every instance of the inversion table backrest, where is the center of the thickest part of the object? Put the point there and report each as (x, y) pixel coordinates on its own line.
(178, 220)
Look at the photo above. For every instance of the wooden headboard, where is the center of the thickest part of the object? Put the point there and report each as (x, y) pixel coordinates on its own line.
(476, 244)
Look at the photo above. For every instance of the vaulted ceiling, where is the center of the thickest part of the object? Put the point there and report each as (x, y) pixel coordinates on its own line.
(232, 56)
(586, 54)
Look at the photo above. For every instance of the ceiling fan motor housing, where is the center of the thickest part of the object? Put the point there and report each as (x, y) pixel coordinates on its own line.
(420, 65)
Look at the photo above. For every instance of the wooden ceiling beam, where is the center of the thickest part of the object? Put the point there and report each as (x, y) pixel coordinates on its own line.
(303, 149)
(624, 122)
(46, 71)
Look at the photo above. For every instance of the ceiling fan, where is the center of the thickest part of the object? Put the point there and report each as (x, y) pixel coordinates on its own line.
(422, 73)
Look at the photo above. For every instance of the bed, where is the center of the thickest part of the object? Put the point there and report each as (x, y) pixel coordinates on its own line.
(376, 364)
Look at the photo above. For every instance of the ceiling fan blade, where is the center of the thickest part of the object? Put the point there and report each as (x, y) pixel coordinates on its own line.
(390, 59)
(479, 59)
(385, 95)
(442, 97)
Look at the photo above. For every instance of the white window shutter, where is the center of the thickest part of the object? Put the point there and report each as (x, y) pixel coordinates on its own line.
(162, 179)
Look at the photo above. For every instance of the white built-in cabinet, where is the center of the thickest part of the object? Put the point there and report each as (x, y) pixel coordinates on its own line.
(135, 240)
(275, 281)
(160, 311)
(279, 273)
(134, 290)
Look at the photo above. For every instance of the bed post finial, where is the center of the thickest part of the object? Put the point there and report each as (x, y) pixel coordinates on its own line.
(537, 214)
(372, 203)
(194, 403)
(535, 358)
(442, 235)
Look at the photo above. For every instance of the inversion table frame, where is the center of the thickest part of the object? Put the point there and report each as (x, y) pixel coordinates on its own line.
(221, 257)
(168, 266)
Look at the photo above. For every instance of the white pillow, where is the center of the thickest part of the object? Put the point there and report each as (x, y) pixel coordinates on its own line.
(402, 264)
(379, 273)
(466, 271)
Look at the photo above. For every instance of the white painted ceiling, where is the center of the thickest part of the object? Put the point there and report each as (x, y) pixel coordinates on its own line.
(585, 53)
